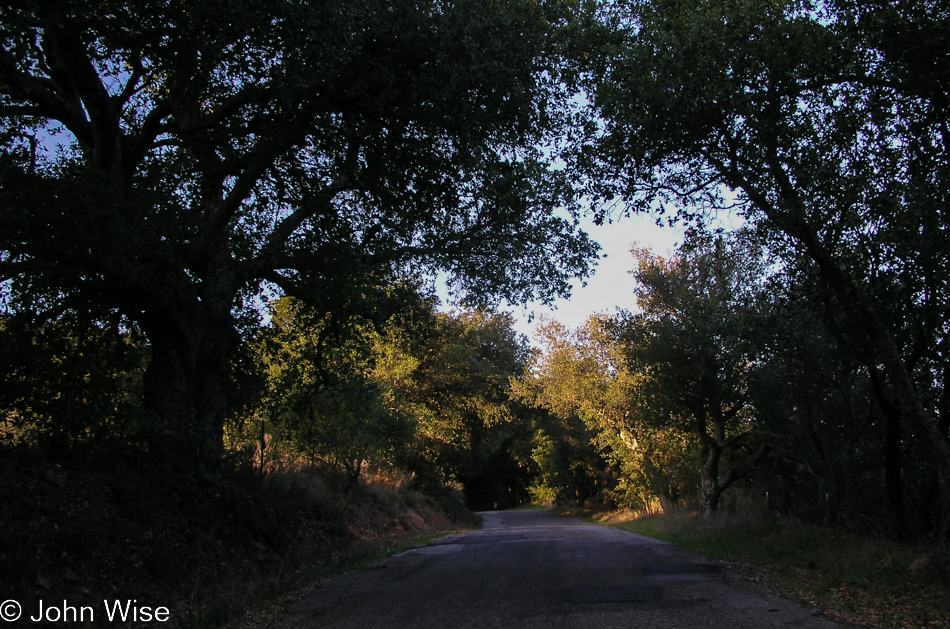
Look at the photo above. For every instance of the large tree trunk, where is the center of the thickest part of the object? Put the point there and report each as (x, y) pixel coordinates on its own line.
(711, 488)
(913, 409)
(186, 386)
(714, 484)
(893, 480)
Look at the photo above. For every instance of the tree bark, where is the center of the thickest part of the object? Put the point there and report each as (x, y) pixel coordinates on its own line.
(711, 489)
(186, 386)
(893, 481)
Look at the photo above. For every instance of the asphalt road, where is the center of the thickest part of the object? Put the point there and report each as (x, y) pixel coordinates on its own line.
(534, 569)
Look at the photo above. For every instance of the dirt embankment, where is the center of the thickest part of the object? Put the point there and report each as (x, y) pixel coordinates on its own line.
(81, 536)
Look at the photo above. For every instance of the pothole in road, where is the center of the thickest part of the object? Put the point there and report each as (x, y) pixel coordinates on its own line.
(612, 594)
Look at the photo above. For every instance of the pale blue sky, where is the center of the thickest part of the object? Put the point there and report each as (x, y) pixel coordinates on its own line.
(611, 285)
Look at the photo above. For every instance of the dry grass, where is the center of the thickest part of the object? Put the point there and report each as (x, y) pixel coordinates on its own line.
(877, 582)
(209, 552)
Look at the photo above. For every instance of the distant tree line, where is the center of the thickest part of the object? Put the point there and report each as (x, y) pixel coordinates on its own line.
(423, 392)
(414, 392)
(732, 373)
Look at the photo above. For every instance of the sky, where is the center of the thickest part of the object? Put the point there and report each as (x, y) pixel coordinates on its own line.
(611, 286)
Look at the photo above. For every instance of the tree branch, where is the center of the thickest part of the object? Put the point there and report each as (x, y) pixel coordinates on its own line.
(131, 86)
(45, 94)
(68, 55)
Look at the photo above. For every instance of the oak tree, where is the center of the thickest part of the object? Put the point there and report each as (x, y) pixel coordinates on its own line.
(828, 122)
(697, 340)
(169, 161)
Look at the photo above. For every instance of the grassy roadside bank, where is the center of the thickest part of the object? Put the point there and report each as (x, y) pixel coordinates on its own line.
(876, 582)
(225, 553)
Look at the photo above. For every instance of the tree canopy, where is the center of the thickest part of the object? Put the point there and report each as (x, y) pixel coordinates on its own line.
(826, 123)
(233, 210)
(170, 161)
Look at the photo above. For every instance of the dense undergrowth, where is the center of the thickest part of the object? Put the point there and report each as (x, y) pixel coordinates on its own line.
(212, 552)
(857, 578)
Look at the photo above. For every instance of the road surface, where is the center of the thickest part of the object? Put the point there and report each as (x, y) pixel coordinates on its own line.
(534, 569)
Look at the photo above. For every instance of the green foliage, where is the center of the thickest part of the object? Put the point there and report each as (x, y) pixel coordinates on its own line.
(829, 136)
(734, 368)
(71, 384)
(423, 391)
(320, 393)
(454, 381)
(666, 387)
(173, 162)
(163, 168)
(582, 380)
(697, 341)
